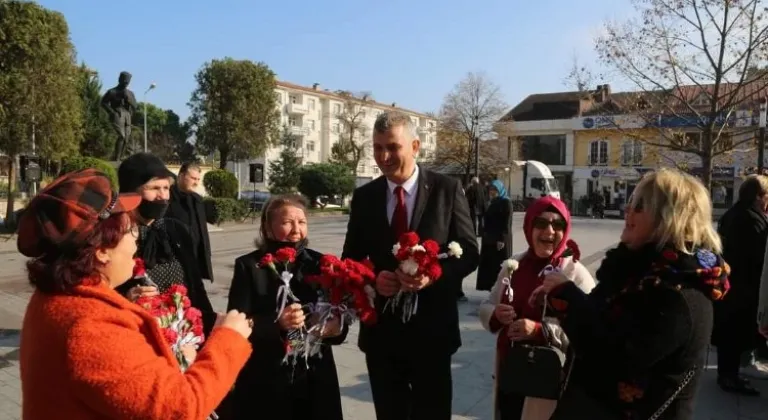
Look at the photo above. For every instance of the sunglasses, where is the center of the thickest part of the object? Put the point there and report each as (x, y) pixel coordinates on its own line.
(558, 225)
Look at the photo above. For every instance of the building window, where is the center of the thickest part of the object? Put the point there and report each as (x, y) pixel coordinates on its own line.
(598, 152)
(278, 98)
(336, 109)
(687, 140)
(376, 170)
(310, 146)
(361, 168)
(311, 104)
(292, 121)
(362, 115)
(549, 150)
(335, 128)
(632, 152)
(293, 99)
(311, 124)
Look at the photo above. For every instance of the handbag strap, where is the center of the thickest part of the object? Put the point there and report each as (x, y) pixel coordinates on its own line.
(686, 380)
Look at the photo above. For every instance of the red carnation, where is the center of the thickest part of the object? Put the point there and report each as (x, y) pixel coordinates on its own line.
(669, 255)
(139, 270)
(329, 259)
(286, 255)
(266, 260)
(434, 271)
(368, 316)
(193, 315)
(197, 330)
(177, 289)
(368, 264)
(170, 335)
(431, 247)
(185, 303)
(409, 239)
(571, 244)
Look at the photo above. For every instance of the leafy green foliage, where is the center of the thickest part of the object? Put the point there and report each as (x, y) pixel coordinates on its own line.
(98, 136)
(220, 183)
(326, 179)
(226, 209)
(234, 109)
(38, 84)
(284, 172)
(84, 162)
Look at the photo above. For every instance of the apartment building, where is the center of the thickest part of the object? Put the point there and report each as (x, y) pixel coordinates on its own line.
(319, 118)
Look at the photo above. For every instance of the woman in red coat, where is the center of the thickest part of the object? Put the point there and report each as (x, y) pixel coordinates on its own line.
(86, 351)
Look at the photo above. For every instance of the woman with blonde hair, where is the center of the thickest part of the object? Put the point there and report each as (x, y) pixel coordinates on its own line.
(641, 335)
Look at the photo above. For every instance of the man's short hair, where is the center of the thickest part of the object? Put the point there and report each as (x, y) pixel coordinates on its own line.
(388, 120)
(189, 166)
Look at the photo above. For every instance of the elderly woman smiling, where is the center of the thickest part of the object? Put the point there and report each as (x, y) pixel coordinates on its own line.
(641, 335)
(510, 312)
(86, 351)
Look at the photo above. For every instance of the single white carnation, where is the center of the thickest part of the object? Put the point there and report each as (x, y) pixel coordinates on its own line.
(511, 264)
(286, 277)
(409, 266)
(395, 248)
(416, 248)
(454, 249)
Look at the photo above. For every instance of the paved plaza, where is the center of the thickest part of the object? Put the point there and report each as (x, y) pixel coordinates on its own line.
(472, 364)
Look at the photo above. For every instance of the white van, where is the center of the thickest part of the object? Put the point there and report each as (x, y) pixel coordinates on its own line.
(538, 180)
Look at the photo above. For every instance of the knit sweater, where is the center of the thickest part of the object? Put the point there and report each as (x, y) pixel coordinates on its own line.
(95, 355)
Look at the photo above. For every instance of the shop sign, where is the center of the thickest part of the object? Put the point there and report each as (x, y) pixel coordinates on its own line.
(718, 172)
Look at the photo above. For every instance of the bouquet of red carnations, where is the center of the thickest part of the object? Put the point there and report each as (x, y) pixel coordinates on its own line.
(181, 324)
(295, 339)
(347, 290)
(418, 260)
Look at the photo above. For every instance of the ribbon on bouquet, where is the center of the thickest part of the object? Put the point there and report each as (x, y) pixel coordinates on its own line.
(507, 282)
(284, 293)
(409, 301)
(548, 270)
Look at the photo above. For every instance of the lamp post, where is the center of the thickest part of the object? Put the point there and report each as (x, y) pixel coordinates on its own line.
(761, 138)
(477, 146)
(151, 86)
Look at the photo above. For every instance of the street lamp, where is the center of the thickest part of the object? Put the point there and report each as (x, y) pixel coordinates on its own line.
(151, 86)
(761, 137)
(477, 146)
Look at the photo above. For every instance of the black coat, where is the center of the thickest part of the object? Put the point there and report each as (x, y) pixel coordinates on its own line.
(440, 213)
(744, 231)
(266, 387)
(498, 228)
(181, 241)
(638, 334)
(190, 210)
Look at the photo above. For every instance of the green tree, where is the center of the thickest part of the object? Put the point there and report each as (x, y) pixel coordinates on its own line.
(234, 109)
(326, 179)
(284, 172)
(39, 95)
(98, 135)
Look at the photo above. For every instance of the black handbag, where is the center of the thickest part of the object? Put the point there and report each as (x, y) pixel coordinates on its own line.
(534, 370)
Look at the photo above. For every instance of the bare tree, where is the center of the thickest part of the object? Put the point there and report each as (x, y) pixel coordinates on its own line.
(696, 66)
(467, 117)
(353, 132)
(453, 150)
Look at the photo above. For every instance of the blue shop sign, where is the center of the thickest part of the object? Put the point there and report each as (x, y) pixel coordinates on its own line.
(680, 121)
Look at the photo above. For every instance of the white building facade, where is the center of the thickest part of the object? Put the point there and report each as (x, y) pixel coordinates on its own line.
(319, 118)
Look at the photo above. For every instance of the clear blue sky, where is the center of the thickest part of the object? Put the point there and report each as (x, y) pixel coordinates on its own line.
(409, 52)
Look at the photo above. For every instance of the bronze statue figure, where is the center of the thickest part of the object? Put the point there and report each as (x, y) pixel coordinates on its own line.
(119, 102)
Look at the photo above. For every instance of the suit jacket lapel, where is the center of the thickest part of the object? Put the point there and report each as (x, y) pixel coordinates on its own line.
(379, 206)
(422, 197)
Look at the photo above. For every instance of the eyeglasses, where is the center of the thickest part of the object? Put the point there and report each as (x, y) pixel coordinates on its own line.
(558, 225)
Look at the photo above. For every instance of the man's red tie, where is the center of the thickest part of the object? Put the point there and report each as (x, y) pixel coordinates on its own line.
(400, 216)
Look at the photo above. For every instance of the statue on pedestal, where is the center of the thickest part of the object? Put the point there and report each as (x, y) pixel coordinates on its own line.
(119, 102)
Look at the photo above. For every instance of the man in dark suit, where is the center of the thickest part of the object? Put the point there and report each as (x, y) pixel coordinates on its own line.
(409, 363)
(187, 206)
(478, 201)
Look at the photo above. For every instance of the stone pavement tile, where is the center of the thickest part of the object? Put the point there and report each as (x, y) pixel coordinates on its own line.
(483, 410)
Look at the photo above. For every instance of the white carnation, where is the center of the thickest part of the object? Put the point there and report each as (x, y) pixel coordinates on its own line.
(454, 249)
(409, 266)
(511, 264)
(395, 248)
(417, 248)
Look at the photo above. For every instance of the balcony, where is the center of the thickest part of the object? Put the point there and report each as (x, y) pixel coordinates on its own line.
(423, 129)
(297, 109)
(298, 131)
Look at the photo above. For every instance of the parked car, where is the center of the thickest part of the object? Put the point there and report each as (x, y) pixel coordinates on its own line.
(256, 198)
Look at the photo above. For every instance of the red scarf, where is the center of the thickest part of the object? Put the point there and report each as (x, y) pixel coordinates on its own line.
(527, 276)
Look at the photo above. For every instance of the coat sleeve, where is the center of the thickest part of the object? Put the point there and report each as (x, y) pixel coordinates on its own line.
(488, 306)
(762, 309)
(462, 231)
(244, 297)
(118, 374)
(665, 326)
(582, 279)
(353, 242)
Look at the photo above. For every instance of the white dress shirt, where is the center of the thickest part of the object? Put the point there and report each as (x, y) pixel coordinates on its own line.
(410, 186)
